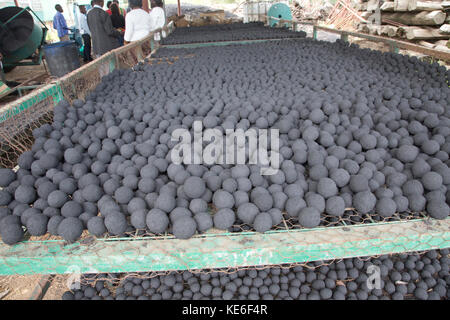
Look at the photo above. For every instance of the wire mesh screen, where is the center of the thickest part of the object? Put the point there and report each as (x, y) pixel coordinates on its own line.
(79, 82)
(19, 119)
(397, 276)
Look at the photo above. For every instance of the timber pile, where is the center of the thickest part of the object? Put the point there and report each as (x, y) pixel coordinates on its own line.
(423, 22)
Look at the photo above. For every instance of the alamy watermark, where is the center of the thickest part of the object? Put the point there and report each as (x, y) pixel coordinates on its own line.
(210, 147)
(374, 279)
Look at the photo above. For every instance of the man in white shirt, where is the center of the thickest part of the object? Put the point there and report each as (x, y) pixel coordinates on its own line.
(137, 22)
(85, 34)
(157, 17)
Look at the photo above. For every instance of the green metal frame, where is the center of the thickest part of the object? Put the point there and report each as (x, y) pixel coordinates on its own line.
(215, 250)
(223, 250)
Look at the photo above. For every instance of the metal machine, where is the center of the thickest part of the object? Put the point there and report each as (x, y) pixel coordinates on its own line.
(277, 12)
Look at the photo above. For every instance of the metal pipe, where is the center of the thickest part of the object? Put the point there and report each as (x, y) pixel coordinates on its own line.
(16, 3)
(179, 8)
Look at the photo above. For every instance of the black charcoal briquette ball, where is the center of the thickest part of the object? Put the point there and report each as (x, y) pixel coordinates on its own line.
(432, 180)
(116, 223)
(438, 209)
(335, 206)
(157, 221)
(57, 199)
(327, 188)
(407, 153)
(25, 194)
(309, 217)
(184, 227)
(72, 156)
(93, 193)
(223, 199)
(204, 221)
(11, 233)
(71, 209)
(264, 202)
(165, 202)
(364, 202)
(198, 205)
(247, 212)
(6, 177)
(263, 222)
(224, 218)
(53, 223)
(96, 226)
(277, 216)
(194, 187)
(386, 207)
(70, 229)
(123, 195)
(37, 224)
(5, 198)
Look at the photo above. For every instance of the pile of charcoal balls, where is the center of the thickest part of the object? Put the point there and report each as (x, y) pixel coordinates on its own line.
(359, 130)
(397, 277)
(229, 32)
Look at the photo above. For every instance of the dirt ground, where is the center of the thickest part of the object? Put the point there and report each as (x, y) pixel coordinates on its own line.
(22, 287)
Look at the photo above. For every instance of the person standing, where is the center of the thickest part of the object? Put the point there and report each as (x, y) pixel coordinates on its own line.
(157, 17)
(59, 24)
(122, 11)
(85, 34)
(104, 37)
(118, 21)
(137, 22)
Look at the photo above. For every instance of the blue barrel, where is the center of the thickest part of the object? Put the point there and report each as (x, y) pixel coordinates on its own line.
(62, 57)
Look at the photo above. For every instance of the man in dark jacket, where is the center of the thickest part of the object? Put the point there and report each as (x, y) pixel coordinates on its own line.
(104, 37)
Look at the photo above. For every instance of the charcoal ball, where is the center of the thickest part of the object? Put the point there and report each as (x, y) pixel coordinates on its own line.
(178, 213)
(116, 223)
(70, 229)
(123, 195)
(276, 215)
(315, 200)
(327, 188)
(294, 205)
(157, 221)
(147, 185)
(407, 153)
(57, 199)
(204, 221)
(71, 209)
(438, 209)
(335, 206)
(53, 223)
(194, 187)
(6, 177)
(247, 213)
(184, 228)
(385, 207)
(309, 217)
(223, 199)
(359, 183)
(25, 194)
(5, 198)
(96, 226)
(198, 205)
(93, 193)
(263, 222)
(341, 177)
(72, 156)
(264, 202)
(364, 202)
(11, 233)
(432, 180)
(37, 224)
(224, 218)
(165, 202)
(138, 219)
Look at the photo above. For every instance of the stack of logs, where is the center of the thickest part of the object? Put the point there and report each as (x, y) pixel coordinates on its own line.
(424, 22)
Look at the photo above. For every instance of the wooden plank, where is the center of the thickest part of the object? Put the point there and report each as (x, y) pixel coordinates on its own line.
(226, 250)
